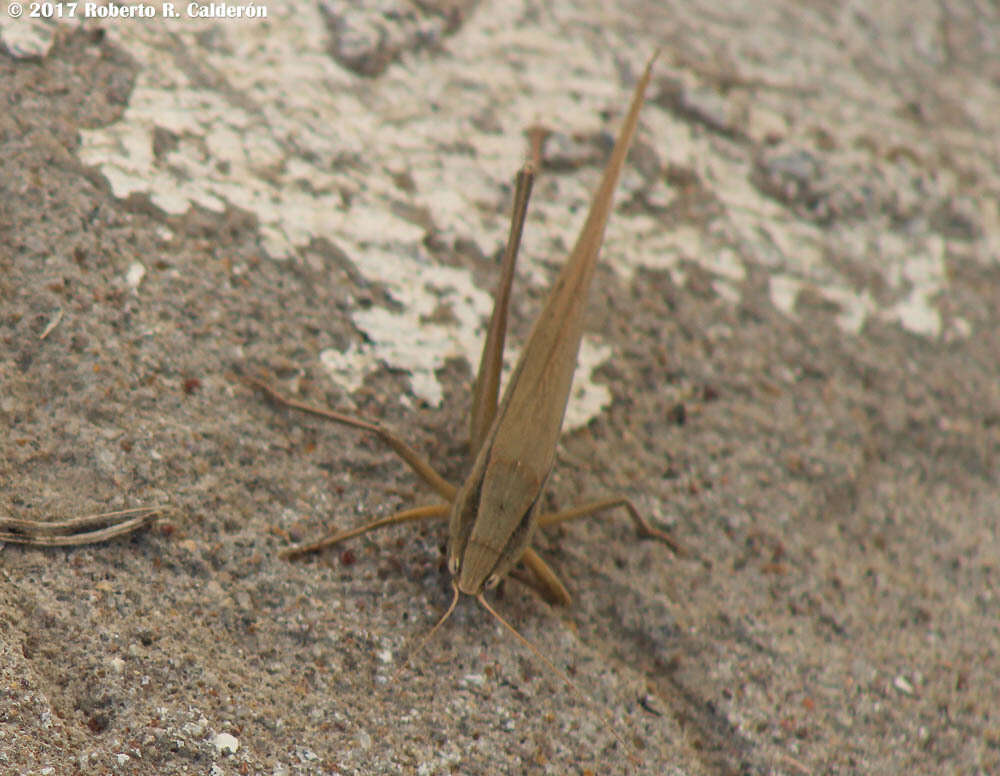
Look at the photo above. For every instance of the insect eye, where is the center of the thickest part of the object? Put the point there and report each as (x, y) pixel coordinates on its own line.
(453, 564)
(492, 582)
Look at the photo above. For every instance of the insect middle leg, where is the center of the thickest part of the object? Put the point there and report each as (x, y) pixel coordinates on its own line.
(641, 524)
(545, 580)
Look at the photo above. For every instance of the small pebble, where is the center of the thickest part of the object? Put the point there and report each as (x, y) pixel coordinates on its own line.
(903, 685)
(135, 273)
(226, 744)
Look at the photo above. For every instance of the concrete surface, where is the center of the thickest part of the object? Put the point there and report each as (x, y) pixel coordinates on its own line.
(791, 362)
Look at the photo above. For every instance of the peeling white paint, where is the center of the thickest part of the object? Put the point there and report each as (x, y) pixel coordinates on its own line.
(412, 335)
(25, 38)
(855, 308)
(261, 118)
(927, 277)
(284, 162)
(783, 291)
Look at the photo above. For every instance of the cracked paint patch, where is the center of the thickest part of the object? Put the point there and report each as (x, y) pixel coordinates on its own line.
(264, 121)
(26, 38)
(259, 116)
(914, 283)
(428, 346)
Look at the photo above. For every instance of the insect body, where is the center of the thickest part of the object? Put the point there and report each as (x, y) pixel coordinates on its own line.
(494, 514)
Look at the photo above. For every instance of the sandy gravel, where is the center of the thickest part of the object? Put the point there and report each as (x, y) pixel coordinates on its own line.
(792, 365)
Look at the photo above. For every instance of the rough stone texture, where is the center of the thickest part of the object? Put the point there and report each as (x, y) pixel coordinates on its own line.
(794, 339)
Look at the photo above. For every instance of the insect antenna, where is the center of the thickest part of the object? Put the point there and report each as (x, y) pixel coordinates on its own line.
(426, 639)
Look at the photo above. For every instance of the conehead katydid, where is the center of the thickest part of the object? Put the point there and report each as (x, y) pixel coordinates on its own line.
(494, 514)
